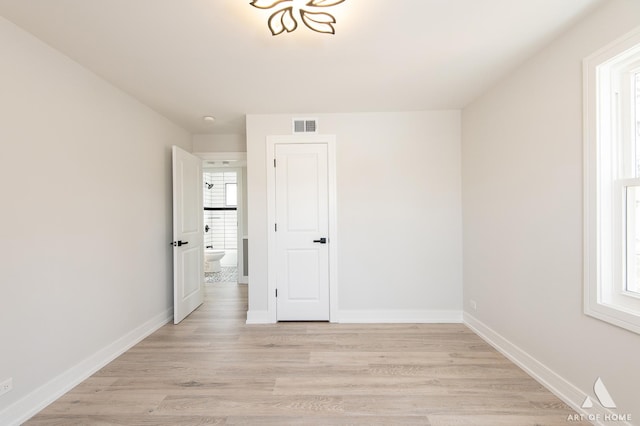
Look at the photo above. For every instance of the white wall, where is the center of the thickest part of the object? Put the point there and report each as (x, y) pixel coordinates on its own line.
(522, 204)
(399, 209)
(85, 225)
(219, 143)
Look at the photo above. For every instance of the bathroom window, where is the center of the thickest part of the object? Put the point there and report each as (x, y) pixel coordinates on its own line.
(231, 194)
(612, 183)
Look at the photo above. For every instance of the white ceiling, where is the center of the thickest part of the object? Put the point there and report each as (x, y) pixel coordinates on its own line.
(190, 58)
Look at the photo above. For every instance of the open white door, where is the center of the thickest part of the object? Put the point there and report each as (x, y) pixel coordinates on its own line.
(188, 236)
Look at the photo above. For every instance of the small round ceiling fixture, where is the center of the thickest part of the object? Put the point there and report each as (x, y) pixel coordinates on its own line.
(209, 119)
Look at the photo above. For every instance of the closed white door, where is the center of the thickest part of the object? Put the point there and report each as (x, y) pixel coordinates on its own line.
(188, 236)
(302, 230)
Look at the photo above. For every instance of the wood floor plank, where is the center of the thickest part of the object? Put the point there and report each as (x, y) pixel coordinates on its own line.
(125, 420)
(213, 369)
(330, 421)
(392, 385)
(262, 406)
(106, 402)
(503, 420)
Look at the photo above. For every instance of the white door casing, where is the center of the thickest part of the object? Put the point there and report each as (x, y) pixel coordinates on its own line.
(242, 279)
(188, 236)
(301, 200)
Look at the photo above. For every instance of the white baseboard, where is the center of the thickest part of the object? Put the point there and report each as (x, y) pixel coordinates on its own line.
(36, 401)
(398, 316)
(258, 317)
(559, 386)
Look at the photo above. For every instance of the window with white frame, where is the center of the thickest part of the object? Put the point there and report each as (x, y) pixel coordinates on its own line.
(612, 183)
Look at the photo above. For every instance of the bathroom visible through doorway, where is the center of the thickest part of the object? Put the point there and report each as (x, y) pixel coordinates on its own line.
(220, 200)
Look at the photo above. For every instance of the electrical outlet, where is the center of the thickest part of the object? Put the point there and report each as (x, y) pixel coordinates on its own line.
(6, 386)
(473, 304)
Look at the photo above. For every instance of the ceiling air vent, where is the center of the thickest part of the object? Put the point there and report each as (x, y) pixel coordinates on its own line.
(305, 125)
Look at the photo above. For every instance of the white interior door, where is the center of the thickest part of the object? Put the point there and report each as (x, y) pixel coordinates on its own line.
(188, 236)
(302, 217)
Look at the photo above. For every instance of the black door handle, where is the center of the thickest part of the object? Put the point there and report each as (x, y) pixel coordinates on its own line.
(179, 243)
(321, 241)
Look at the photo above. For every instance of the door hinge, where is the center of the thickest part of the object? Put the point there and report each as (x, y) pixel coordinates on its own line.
(276, 227)
(276, 292)
(274, 162)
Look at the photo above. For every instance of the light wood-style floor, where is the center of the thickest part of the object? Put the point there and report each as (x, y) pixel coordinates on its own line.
(214, 369)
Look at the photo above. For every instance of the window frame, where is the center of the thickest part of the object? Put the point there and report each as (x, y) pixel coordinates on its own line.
(606, 182)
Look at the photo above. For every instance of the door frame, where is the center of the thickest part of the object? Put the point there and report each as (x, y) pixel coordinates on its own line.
(330, 141)
(242, 279)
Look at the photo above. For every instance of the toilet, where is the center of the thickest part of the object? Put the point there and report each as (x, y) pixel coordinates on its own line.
(212, 260)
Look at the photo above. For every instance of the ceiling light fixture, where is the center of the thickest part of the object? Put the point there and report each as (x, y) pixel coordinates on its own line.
(209, 119)
(284, 19)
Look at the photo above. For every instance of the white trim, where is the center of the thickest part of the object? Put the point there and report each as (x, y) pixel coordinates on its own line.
(259, 317)
(399, 317)
(240, 224)
(242, 279)
(555, 383)
(604, 297)
(271, 142)
(271, 241)
(36, 401)
(620, 45)
(333, 231)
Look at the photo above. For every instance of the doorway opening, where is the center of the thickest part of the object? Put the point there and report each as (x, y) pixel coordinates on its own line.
(224, 241)
(220, 201)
